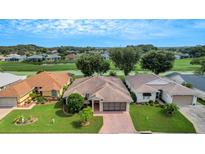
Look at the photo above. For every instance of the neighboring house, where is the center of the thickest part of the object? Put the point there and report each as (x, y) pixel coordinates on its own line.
(197, 81)
(182, 56)
(105, 55)
(53, 51)
(53, 57)
(15, 58)
(71, 56)
(177, 56)
(35, 58)
(7, 79)
(150, 87)
(102, 93)
(2, 58)
(47, 84)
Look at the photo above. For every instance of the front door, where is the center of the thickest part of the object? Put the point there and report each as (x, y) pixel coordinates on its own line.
(96, 106)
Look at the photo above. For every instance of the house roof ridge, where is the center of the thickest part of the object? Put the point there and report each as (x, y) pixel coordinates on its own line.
(82, 82)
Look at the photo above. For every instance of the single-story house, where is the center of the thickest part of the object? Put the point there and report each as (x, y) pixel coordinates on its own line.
(47, 84)
(101, 93)
(197, 81)
(53, 51)
(71, 56)
(53, 57)
(35, 58)
(105, 55)
(7, 79)
(15, 58)
(150, 87)
(182, 56)
(2, 58)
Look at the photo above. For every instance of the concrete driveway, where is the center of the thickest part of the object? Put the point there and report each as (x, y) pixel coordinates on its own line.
(196, 114)
(116, 122)
(4, 111)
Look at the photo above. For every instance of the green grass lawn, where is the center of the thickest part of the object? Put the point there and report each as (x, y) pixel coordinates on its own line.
(184, 65)
(180, 65)
(201, 101)
(151, 118)
(18, 66)
(44, 113)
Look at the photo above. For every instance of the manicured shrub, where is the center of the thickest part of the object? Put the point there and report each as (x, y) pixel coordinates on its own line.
(133, 96)
(86, 114)
(74, 102)
(170, 109)
(151, 103)
(112, 73)
(188, 85)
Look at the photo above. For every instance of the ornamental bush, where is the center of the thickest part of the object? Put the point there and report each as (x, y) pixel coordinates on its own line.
(74, 103)
(86, 114)
(170, 109)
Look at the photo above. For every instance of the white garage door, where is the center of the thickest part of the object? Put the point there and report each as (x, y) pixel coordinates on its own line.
(8, 102)
(182, 100)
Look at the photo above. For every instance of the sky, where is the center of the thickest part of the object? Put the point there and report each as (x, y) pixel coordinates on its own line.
(102, 33)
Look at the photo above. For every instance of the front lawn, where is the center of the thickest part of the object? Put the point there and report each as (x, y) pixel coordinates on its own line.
(151, 118)
(45, 113)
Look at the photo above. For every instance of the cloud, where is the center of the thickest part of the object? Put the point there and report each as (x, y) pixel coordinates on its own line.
(126, 29)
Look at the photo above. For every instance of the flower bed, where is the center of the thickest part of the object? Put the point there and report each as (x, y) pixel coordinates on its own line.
(21, 120)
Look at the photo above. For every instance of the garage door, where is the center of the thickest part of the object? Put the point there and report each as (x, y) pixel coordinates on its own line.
(183, 100)
(7, 102)
(121, 106)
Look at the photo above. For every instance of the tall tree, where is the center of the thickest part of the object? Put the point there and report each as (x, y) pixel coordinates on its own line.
(92, 62)
(199, 61)
(104, 66)
(157, 62)
(124, 58)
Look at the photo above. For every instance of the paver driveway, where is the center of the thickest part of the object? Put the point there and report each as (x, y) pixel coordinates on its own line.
(196, 114)
(4, 111)
(117, 122)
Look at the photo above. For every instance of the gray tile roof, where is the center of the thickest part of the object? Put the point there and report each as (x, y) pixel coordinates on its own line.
(197, 81)
(8, 78)
(148, 82)
(109, 89)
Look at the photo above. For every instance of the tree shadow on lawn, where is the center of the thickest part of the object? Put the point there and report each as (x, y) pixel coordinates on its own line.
(58, 105)
(60, 113)
(76, 124)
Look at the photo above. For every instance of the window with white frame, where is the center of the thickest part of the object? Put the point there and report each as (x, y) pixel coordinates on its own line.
(146, 95)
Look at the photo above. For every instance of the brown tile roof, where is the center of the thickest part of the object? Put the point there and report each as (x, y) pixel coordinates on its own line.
(18, 89)
(109, 89)
(47, 80)
(149, 82)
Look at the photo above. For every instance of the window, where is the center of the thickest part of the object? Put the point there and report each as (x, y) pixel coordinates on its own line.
(54, 93)
(146, 95)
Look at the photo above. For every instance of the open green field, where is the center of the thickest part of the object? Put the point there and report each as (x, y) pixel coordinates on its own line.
(63, 123)
(18, 66)
(184, 65)
(151, 118)
(181, 65)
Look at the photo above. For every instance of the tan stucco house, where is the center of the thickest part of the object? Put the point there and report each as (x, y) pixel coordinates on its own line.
(152, 87)
(102, 93)
(47, 84)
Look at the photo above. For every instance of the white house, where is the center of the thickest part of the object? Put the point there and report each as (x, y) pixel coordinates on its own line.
(150, 87)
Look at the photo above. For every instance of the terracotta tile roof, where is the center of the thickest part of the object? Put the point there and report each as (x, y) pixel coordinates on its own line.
(147, 82)
(109, 89)
(47, 80)
(16, 90)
